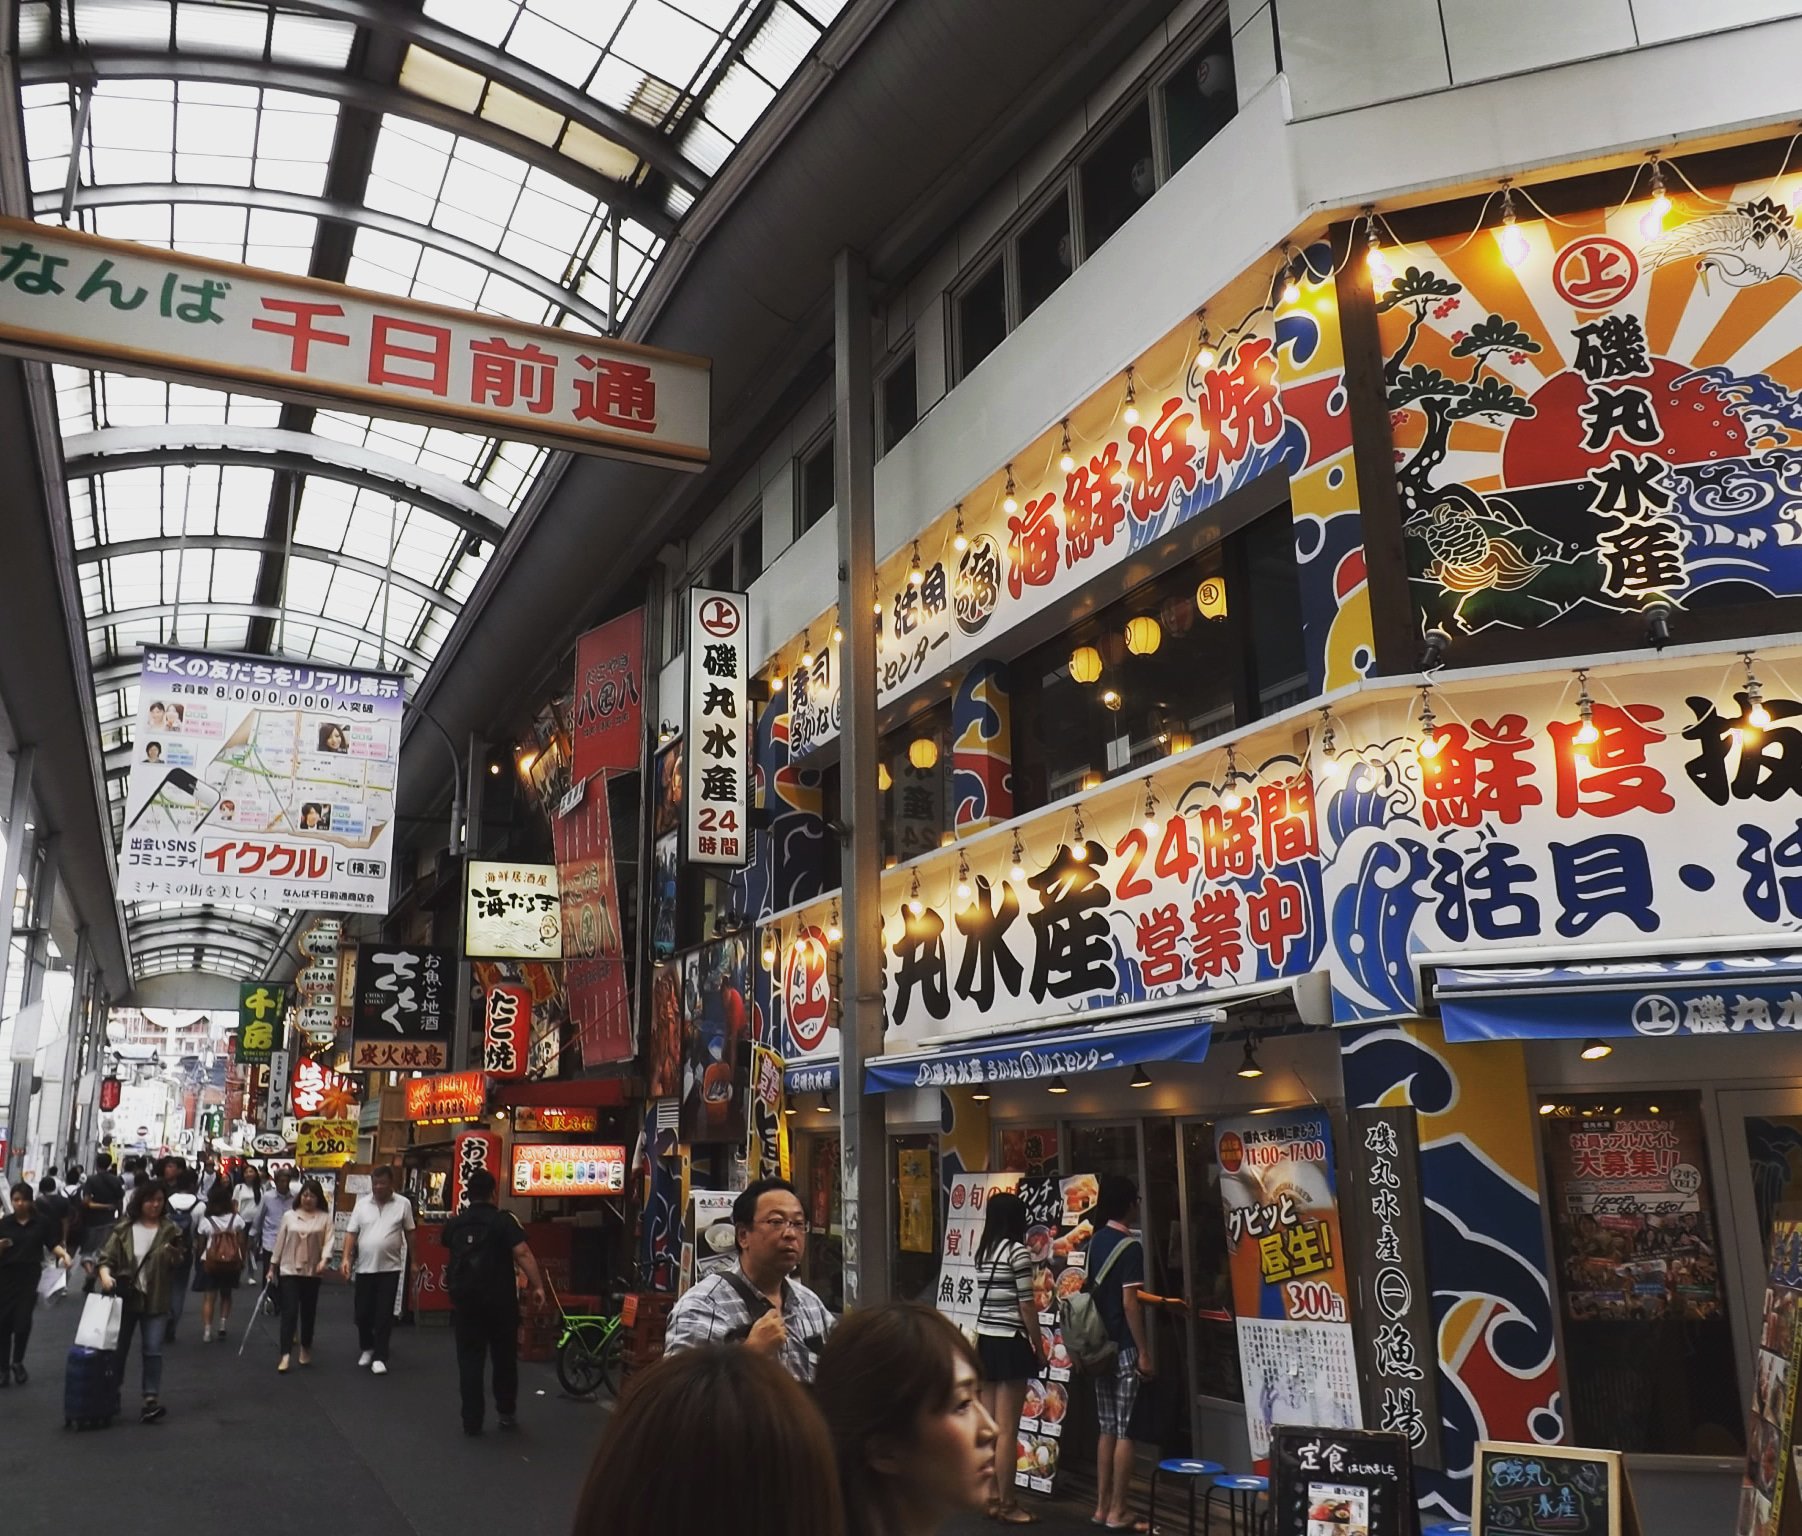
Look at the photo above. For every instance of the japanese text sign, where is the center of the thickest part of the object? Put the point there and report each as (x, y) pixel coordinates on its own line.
(472, 1151)
(506, 1030)
(74, 298)
(275, 1090)
(315, 1089)
(261, 1006)
(594, 961)
(547, 1169)
(1532, 1488)
(560, 1120)
(514, 911)
(1345, 1482)
(447, 1096)
(325, 1143)
(716, 800)
(404, 1005)
(258, 781)
(609, 718)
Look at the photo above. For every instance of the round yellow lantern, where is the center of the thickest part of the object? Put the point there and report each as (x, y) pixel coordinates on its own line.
(923, 752)
(1143, 636)
(1085, 664)
(884, 779)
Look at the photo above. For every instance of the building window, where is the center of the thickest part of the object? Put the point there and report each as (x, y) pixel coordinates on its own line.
(813, 485)
(900, 396)
(1200, 98)
(1118, 176)
(1047, 253)
(1212, 644)
(981, 311)
(749, 548)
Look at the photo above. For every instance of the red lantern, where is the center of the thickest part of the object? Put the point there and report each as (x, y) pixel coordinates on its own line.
(109, 1094)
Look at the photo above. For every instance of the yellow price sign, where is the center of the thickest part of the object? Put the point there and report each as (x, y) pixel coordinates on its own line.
(325, 1143)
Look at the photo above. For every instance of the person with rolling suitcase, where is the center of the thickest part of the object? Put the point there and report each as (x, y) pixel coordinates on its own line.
(137, 1265)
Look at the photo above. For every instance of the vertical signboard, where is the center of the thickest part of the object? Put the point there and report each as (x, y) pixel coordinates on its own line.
(1767, 1499)
(594, 960)
(261, 1005)
(403, 1008)
(766, 1146)
(716, 803)
(1290, 1288)
(514, 912)
(507, 1022)
(609, 724)
(471, 1151)
(1396, 1337)
(275, 1093)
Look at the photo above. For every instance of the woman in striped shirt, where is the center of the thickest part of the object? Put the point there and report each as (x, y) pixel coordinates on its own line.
(1008, 1340)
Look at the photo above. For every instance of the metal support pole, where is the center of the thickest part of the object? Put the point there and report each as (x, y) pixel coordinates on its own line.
(85, 982)
(471, 830)
(18, 841)
(863, 1151)
(40, 897)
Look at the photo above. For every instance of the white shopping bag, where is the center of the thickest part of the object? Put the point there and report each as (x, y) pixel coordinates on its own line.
(52, 1282)
(100, 1320)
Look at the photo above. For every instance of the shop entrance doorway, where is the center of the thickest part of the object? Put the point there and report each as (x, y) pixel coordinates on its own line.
(1761, 1155)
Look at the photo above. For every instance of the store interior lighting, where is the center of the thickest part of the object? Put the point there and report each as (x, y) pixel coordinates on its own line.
(1141, 1078)
(1248, 1066)
(1595, 1050)
(1057, 1085)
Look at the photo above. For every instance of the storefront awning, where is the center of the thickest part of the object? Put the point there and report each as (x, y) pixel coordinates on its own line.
(815, 1076)
(1686, 995)
(1061, 1052)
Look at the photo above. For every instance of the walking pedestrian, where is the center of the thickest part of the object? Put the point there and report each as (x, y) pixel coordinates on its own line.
(298, 1256)
(759, 1303)
(25, 1237)
(102, 1199)
(734, 1412)
(266, 1219)
(135, 1263)
(218, 1260)
(247, 1196)
(55, 1207)
(375, 1250)
(1117, 1267)
(900, 1389)
(184, 1210)
(1008, 1341)
(485, 1245)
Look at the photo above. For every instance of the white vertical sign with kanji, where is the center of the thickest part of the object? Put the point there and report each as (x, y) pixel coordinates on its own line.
(716, 798)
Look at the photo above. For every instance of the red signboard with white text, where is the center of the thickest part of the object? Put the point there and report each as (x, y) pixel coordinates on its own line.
(447, 1096)
(507, 1030)
(471, 1152)
(609, 725)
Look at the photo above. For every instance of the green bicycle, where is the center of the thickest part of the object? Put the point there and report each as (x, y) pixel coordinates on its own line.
(590, 1351)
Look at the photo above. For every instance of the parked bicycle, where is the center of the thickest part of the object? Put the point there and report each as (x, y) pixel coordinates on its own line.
(590, 1349)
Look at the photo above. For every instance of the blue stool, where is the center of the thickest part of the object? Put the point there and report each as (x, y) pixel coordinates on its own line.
(1192, 1472)
(1240, 1490)
(1447, 1528)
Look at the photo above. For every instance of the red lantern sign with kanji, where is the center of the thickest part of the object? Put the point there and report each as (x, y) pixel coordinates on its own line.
(471, 1150)
(109, 1094)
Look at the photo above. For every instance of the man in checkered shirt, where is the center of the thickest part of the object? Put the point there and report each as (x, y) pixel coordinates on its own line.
(758, 1303)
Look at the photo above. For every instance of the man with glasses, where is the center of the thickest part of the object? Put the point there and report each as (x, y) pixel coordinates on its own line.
(759, 1303)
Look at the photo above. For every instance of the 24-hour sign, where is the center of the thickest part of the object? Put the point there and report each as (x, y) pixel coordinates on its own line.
(716, 800)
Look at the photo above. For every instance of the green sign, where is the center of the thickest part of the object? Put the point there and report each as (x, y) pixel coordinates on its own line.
(261, 1005)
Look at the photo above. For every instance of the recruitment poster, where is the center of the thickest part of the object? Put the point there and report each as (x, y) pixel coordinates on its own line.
(1291, 1293)
(260, 783)
(594, 965)
(1768, 1503)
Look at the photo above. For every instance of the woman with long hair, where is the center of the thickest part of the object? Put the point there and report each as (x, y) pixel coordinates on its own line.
(728, 1410)
(1008, 1340)
(303, 1248)
(900, 1388)
(140, 1255)
(218, 1259)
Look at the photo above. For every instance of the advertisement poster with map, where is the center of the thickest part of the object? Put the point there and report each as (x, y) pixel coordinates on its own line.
(260, 782)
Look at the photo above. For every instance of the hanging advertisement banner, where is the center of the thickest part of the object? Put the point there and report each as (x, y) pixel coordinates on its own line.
(322, 936)
(98, 303)
(549, 1019)
(506, 1023)
(594, 961)
(472, 1151)
(913, 1200)
(446, 1096)
(716, 1040)
(315, 1089)
(261, 1007)
(261, 783)
(404, 1004)
(513, 912)
(1291, 1292)
(325, 1143)
(1768, 1492)
(275, 1090)
(716, 797)
(766, 1143)
(1396, 1337)
(608, 729)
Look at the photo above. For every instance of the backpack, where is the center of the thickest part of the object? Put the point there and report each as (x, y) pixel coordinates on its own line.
(479, 1261)
(224, 1249)
(1085, 1334)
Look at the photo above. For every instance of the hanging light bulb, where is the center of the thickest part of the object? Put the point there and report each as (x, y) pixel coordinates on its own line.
(1010, 503)
(1430, 745)
(1151, 805)
(1331, 764)
(833, 932)
(1510, 237)
(1057, 1085)
(1248, 1064)
(1079, 849)
(915, 573)
(1131, 413)
(769, 948)
(1756, 717)
(775, 682)
(885, 780)
(1205, 355)
(1066, 460)
(914, 904)
(838, 635)
(1586, 735)
(1017, 870)
(1595, 1049)
(1381, 273)
(807, 648)
(1140, 1079)
(980, 1094)
(1651, 222)
(958, 541)
(963, 879)
(1291, 288)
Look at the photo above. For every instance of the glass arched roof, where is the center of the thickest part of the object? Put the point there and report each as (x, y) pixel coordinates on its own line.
(531, 159)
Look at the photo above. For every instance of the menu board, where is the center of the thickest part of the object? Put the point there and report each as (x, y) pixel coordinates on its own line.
(1547, 1490)
(1767, 1500)
(1340, 1482)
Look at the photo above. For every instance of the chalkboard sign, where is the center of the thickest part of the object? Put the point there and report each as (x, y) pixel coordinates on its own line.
(1551, 1490)
(1341, 1482)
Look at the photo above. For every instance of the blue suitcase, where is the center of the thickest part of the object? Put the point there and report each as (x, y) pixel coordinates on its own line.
(90, 1388)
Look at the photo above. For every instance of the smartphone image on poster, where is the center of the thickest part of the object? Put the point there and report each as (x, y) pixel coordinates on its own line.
(1336, 1509)
(179, 805)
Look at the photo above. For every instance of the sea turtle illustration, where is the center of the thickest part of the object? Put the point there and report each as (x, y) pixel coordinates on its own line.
(1751, 243)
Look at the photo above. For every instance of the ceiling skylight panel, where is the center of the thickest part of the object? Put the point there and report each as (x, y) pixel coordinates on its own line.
(664, 42)
(781, 43)
(570, 56)
(741, 97)
(704, 146)
(223, 29)
(146, 223)
(318, 41)
(485, 20)
(224, 633)
(123, 23)
(308, 582)
(235, 574)
(244, 500)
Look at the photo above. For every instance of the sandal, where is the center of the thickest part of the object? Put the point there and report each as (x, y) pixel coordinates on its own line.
(1012, 1514)
(1143, 1527)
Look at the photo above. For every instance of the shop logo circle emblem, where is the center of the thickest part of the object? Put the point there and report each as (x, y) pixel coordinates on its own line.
(1394, 1294)
(1232, 1152)
(976, 592)
(1595, 272)
(807, 990)
(719, 617)
(1655, 1014)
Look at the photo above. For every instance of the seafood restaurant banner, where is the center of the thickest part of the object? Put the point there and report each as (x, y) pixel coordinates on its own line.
(1615, 419)
(258, 782)
(1286, 1254)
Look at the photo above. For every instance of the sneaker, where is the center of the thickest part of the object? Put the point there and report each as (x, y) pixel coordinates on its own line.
(366, 1357)
(206, 1335)
(508, 1421)
(378, 1368)
(19, 1376)
(153, 1411)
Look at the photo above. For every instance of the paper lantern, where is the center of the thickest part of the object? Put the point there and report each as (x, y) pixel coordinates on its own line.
(1210, 598)
(1143, 636)
(1085, 664)
(923, 752)
(883, 777)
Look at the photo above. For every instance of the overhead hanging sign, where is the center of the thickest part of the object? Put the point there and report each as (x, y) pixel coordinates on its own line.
(514, 912)
(608, 729)
(506, 1026)
(325, 1143)
(716, 799)
(594, 960)
(74, 298)
(258, 782)
(403, 1008)
(261, 1005)
(447, 1096)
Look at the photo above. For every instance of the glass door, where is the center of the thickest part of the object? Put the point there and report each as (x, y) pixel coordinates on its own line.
(1761, 1162)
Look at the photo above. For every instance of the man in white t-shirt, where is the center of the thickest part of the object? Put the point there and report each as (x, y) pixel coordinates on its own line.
(375, 1249)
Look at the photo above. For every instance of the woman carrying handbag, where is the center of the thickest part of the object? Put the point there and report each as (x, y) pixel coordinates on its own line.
(1008, 1340)
(136, 1264)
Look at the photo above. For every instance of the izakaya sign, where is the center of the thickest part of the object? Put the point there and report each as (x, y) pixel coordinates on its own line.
(447, 1096)
(1613, 421)
(403, 1000)
(472, 1152)
(258, 782)
(716, 799)
(507, 1025)
(514, 912)
(73, 298)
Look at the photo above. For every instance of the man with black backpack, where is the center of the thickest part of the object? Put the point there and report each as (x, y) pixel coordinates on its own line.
(485, 1243)
(1116, 1267)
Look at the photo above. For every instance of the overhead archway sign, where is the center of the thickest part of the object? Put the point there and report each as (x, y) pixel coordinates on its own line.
(70, 297)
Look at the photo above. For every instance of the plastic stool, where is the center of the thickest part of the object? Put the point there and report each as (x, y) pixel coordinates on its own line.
(1192, 1472)
(1241, 1490)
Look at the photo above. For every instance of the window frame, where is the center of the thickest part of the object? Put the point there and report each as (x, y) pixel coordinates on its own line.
(1192, 39)
(821, 441)
(995, 254)
(899, 357)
